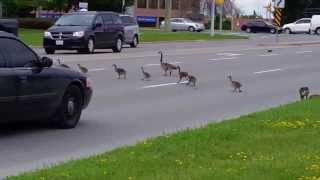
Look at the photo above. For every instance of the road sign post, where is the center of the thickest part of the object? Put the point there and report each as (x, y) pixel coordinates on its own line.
(168, 11)
(279, 5)
(220, 3)
(213, 7)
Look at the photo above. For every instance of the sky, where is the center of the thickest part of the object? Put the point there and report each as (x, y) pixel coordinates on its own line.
(247, 6)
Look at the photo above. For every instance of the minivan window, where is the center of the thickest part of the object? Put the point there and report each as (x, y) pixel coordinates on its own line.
(11, 47)
(116, 19)
(76, 20)
(107, 18)
(128, 20)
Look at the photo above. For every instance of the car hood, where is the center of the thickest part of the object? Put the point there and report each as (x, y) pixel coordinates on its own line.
(68, 28)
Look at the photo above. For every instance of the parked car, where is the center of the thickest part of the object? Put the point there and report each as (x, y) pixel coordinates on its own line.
(315, 24)
(85, 32)
(300, 26)
(259, 26)
(9, 25)
(184, 24)
(131, 30)
(33, 89)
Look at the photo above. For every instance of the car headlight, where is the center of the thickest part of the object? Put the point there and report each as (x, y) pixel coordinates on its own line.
(78, 34)
(47, 34)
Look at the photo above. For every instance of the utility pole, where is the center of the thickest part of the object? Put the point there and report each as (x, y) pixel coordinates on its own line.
(168, 12)
(123, 6)
(213, 13)
(232, 14)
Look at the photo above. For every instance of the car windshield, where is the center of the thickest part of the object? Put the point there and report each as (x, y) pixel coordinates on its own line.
(75, 20)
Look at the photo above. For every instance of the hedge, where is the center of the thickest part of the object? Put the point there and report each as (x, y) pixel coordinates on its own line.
(35, 23)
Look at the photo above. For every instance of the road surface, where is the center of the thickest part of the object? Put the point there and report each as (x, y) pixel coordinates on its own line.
(125, 111)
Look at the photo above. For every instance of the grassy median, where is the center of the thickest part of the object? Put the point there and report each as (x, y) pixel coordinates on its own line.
(34, 37)
(278, 144)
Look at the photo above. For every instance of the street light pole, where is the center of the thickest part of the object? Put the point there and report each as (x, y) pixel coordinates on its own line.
(213, 7)
(123, 6)
(168, 9)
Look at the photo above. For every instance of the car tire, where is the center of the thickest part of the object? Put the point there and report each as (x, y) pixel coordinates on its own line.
(69, 111)
(135, 42)
(287, 31)
(49, 50)
(318, 31)
(90, 47)
(248, 30)
(273, 31)
(117, 45)
(191, 29)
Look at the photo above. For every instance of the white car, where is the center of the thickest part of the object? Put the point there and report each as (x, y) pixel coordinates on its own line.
(315, 24)
(300, 26)
(184, 24)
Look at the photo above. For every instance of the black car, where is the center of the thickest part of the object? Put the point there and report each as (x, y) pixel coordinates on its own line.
(85, 32)
(259, 26)
(33, 89)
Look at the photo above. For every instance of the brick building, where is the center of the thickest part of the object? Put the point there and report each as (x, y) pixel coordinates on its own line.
(152, 12)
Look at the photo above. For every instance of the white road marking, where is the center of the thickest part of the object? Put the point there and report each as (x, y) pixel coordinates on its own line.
(162, 85)
(303, 52)
(229, 54)
(268, 55)
(268, 71)
(148, 65)
(222, 59)
(97, 69)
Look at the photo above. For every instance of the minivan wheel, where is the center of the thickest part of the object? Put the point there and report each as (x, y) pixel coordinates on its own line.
(248, 30)
(318, 31)
(91, 46)
(118, 45)
(135, 42)
(273, 31)
(49, 50)
(191, 29)
(69, 112)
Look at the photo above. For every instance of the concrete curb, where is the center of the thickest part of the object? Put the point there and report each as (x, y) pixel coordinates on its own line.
(301, 43)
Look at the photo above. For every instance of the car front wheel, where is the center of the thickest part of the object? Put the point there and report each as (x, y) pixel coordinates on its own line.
(69, 112)
(318, 31)
(118, 45)
(273, 31)
(248, 30)
(191, 29)
(135, 42)
(287, 31)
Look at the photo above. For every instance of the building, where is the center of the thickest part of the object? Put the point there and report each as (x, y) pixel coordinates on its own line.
(152, 12)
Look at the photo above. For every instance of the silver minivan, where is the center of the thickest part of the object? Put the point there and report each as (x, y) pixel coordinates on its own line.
(131, 30)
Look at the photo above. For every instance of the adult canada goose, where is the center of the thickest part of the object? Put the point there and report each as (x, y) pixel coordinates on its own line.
(120, 71)
(146, 75)
(83, 69)
(235, 84)
(304, 93)
(182, 75)
(166, 66)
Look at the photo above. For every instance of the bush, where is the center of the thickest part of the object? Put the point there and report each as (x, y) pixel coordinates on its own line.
(226, 24)
(35, 23)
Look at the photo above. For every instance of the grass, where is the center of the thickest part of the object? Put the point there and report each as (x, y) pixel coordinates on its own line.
(34, 37)
(279, 144)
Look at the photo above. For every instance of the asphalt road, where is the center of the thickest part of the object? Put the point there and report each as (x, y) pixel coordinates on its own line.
(125, 111)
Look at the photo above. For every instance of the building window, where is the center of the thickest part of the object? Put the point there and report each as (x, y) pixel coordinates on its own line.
(162, 4)
(175, 4)
(153, 4)
(142, 3)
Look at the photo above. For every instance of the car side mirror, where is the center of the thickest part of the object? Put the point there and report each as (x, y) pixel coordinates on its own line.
(45, 62)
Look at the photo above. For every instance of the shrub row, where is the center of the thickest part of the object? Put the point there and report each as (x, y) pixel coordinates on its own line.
(35, 23)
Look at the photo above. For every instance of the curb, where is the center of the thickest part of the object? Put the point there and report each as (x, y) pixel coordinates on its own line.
(290, 43)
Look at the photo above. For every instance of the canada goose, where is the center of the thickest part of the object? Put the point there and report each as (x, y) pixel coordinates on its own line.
(166, 66)
(235, 84)
(146, 76)
(182, 75)
(304, 93)
(192, 80)
(120, 71)
(61, 64)
(83, 69)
